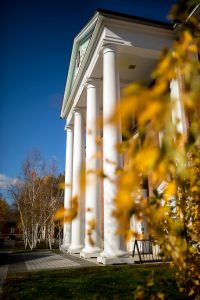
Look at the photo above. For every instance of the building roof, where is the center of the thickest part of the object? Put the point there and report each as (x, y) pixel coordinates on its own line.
(135, 19)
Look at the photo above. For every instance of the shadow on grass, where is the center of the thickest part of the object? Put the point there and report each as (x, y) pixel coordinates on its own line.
(111, 282)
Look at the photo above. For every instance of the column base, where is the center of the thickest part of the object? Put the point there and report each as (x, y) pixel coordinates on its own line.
(64, 248)
(76, 250)
(90, 253)
(115, 260)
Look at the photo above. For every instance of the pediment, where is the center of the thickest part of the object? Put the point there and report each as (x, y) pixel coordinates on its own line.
(80, 55)
(80, 46)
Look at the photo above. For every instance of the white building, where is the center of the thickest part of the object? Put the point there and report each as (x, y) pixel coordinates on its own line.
(111, 51)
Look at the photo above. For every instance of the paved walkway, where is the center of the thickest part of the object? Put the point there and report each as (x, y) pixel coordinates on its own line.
(11, 262)
(47, 260)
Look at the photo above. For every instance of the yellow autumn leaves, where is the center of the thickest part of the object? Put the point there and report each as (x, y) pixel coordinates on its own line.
(156, 151)
(67, 215)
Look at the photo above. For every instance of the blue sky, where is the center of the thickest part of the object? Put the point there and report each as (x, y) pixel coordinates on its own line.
(36, 40)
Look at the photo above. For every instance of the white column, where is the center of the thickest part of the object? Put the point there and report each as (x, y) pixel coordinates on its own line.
(93, 195)
(178, 116)
(114, 245)
(77, 232)
(68, 186)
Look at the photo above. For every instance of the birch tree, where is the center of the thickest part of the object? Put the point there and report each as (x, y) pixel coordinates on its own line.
(37, 195)
(51, 200)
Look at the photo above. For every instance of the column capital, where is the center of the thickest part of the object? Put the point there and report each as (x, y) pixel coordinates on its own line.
(78, 110)
(93, 80)
(108, 47)
(68, 127)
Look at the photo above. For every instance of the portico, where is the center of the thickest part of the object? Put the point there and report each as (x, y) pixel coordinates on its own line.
(111, 51)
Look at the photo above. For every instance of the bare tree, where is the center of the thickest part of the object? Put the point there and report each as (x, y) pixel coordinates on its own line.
(37, 196)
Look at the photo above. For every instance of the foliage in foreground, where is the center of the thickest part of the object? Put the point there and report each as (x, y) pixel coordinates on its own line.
(113, 282)
(163, 153)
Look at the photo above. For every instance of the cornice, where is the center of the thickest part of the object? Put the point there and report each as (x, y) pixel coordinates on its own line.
(139, 27)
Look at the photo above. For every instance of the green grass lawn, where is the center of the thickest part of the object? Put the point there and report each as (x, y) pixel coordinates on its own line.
(110, 282)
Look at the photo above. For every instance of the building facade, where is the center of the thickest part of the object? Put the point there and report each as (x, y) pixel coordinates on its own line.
(110, 52)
